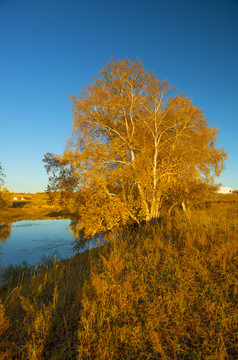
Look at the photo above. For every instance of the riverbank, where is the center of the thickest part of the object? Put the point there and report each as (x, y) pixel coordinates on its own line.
(33, 213)
(167, 290)
(31, 207)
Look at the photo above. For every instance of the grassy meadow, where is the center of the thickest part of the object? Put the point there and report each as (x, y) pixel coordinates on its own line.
(162, 291)
(34, 206)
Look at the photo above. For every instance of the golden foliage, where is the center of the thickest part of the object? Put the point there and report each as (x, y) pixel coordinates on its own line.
(5, 197)
(134, 145)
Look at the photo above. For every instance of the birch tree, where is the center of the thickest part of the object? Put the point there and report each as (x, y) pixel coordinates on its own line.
(134, 142)
(2, 175)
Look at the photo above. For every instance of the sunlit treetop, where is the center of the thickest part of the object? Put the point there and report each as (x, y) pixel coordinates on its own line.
(135, 146)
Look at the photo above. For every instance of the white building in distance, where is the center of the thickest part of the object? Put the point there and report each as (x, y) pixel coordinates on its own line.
(224, 190)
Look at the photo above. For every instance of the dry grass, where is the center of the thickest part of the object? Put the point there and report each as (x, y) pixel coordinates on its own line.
(165, 291)
(35, 206)
(43, 311)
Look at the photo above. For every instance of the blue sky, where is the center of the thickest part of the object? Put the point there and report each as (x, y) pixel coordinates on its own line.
(50, 49)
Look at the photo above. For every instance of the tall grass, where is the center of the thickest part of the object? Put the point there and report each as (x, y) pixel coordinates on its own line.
(42, 312)
(167, 291)
(163, 291)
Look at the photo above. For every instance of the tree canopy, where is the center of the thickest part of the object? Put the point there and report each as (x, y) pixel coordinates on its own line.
(135, 145)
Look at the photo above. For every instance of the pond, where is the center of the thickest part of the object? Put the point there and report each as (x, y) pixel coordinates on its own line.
(30, 240)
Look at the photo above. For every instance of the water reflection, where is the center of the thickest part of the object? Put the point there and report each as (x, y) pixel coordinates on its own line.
(81, 241)
(30, 240)
(5, 231)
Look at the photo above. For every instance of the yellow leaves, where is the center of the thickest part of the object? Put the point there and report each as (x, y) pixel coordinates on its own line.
(132, 142)
(5, 197)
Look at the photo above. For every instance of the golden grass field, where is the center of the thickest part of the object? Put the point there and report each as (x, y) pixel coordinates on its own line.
(35, 206)
(162, 291)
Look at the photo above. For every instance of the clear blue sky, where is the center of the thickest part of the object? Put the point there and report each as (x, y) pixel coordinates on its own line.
(49, 49)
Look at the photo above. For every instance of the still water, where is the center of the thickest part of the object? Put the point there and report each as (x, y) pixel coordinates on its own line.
(30, 240)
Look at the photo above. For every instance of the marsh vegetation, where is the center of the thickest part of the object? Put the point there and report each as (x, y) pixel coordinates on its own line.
(138, 170)
(165, 290)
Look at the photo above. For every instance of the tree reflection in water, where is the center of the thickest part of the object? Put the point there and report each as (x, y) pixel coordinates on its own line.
(82, 242)
(5, 231)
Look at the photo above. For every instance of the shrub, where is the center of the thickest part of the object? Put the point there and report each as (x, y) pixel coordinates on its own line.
(5, 197)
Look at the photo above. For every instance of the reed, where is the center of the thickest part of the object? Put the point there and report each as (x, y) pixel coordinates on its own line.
(162, 291)
(165, 291)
